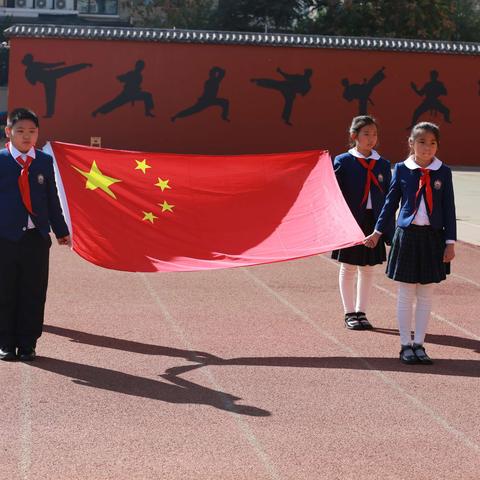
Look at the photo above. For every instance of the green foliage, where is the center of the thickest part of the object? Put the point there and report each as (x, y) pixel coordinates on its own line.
(194, 14)
(424, 19)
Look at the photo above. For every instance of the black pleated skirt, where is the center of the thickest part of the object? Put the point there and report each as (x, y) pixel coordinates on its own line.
(416, 255)
(360, 254)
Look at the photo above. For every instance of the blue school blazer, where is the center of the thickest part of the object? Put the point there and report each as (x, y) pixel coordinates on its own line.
(351, 177)
(43, 193)
(404, 187)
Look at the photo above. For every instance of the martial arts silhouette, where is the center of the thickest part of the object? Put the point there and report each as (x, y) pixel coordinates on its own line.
(209, 97)
(362, 91)
(431, 91)
(48, 73)
(292, 85)
(131, 93)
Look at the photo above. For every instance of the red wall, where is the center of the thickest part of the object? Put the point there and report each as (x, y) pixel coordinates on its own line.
(175, 74)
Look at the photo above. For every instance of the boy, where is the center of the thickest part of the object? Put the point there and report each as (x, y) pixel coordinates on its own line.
(29, 205)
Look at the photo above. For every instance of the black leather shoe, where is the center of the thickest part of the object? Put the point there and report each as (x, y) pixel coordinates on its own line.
(362, 318)
(421, 354)
(351, 321)
(26, 354)
(7, 354)
(407, 355)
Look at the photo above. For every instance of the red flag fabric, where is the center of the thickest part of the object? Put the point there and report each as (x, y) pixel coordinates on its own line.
(139, 211)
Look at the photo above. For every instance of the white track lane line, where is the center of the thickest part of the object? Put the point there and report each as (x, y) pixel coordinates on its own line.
(461, 436)
(240, 422)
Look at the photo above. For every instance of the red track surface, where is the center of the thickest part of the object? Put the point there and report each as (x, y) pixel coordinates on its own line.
(244, 374)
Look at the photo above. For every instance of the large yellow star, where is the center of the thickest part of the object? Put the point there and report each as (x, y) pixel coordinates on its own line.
(96, 179)
(142, 165)
(165, 206)
(163, 184)
(149, 216)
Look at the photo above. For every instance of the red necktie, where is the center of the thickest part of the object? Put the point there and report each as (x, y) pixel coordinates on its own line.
(23, 182)
(425, 181)
(370, 177)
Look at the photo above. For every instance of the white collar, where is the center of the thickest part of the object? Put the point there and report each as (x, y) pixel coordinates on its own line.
(374, 155)
(17, 153)
(412, 164)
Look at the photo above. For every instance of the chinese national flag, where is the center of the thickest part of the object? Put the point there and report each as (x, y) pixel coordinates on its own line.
(146, 212)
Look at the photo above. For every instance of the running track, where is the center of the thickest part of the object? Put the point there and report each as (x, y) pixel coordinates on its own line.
(242, 374)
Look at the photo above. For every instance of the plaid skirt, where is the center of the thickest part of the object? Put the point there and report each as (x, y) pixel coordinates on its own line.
(360, 254)
(416, 255)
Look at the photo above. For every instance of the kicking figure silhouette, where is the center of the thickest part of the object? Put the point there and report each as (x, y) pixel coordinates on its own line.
(209, 97)
(132, 92)
(362, 91)
(48, 74)
(292, 85)
(431, 91)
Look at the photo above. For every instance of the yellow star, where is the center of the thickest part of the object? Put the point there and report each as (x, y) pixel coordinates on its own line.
(163, 184)
(142, 165)
(96, 179)
(149, 216)
(165, 206)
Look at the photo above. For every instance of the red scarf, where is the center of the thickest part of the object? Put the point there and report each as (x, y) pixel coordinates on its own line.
(23, 183)
(425, 182)
(370, 177)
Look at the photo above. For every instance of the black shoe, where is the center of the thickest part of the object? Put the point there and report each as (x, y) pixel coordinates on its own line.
(407, 355)
(421, 354)
(362, 318)
(7, 354)
(352, 322)
(26, 354)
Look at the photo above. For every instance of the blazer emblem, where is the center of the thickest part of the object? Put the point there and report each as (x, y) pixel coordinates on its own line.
(380, 177)
(40, 179)
(437, 184)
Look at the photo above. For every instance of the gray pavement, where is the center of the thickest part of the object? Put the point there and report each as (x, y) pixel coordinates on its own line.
(467, 199)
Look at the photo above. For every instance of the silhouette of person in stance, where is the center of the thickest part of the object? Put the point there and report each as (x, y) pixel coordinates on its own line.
(48, 73)
(292, 85)
(362, 91)
(132, 92)
(431, 91)
(209, 97)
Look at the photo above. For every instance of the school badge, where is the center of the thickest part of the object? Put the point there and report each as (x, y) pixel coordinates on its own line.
(437, 184)
(380, 177)
(40, 179)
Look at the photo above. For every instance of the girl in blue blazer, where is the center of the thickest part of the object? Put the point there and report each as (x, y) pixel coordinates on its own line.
(424, 240)
(363, 176)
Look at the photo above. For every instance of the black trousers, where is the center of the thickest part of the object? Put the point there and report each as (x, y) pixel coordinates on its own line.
(23, 288)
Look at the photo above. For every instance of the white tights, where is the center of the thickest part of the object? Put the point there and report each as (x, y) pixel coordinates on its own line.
(406, 297)
(346, 280)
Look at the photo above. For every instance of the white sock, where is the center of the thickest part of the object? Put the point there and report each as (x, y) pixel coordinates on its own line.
(346, 282)
(406, 296)
(364, 285)
(422, 311)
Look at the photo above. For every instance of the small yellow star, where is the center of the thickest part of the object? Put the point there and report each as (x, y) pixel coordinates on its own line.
(163, 184)
(142, 165)
(96, 179)
(149, 216)
(165, 206)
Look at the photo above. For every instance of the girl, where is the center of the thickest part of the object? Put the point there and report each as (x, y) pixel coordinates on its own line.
(363, 177)
(423, 244)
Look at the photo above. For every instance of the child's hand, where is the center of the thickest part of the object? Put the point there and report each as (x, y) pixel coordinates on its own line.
(372, 240)
(449, 253)
(64, 240)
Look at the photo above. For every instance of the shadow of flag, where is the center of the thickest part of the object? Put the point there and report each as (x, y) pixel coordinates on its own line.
(145, 212)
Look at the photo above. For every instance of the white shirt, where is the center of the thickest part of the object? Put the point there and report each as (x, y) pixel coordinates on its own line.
(15, 154)
(374, 156)
(421, 217)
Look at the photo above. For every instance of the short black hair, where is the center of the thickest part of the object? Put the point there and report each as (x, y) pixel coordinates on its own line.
(18, 114)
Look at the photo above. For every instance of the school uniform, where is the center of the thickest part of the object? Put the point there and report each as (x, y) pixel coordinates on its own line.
(25, 244)
(426, 221)
(364, 183)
